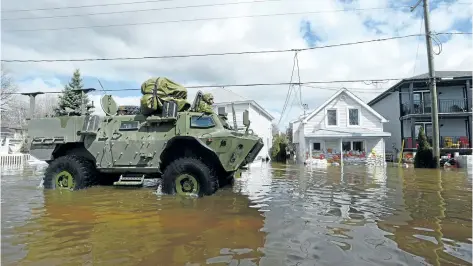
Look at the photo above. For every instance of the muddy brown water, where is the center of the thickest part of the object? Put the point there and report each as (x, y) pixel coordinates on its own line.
(274, 215)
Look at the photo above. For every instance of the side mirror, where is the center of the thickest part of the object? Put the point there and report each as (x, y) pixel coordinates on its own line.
(246, 118)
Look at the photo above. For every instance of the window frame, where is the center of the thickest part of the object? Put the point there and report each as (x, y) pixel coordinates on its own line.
(202, 127)
(336, 117)
(356, 140)
(135, 125)
(348, 116)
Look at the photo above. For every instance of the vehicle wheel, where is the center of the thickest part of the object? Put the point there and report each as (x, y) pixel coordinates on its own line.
(227, 180)
(187, 176)
(70, 172)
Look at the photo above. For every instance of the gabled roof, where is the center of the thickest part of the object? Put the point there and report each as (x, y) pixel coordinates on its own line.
(422, 77)
(351, 95)
(224, 96)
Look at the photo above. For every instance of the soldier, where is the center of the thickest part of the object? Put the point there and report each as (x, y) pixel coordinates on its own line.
(122, 110)
(205, 104)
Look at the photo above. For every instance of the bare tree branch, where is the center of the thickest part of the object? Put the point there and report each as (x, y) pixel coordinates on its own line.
(18, 110)
(8, 87)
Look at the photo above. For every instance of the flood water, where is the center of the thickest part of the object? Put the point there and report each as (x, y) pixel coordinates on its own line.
(275, 214)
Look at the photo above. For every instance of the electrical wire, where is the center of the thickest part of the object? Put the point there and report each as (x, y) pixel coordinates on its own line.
(86, 6)
(289, 90)
(252, 84)
(209, 54)
(182, 20)
(128, 3)
(144, 10)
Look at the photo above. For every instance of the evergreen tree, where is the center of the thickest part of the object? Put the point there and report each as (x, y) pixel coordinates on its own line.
(424, 156)
(72, 100)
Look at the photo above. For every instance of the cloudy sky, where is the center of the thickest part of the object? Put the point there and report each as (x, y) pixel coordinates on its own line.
(191, 27)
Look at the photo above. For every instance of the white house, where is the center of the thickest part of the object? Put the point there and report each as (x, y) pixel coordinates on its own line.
(261, 119)
(343, 122)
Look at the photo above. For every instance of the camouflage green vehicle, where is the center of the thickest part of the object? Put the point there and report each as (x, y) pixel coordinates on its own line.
(192, 152)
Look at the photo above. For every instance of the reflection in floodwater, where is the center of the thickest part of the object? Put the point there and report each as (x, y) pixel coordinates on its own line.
(275, 214)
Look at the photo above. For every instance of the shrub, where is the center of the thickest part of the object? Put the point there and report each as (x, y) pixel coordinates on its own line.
(424, 157)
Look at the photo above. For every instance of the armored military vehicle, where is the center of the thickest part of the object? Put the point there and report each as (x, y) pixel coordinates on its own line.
(192, 152)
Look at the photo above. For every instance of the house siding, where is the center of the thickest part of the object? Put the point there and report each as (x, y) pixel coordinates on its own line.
(367, 119)
(261, 126)
(390, 109)
(260, 123)
(295, 132)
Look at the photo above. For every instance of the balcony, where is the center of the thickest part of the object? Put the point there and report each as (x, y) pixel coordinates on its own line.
(446, 142)
(445, 106)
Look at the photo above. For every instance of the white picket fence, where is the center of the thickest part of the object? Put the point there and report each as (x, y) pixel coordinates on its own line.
(14, 161)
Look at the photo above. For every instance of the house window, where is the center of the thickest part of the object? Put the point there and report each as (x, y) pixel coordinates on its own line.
(353, 117)
(316, 146)
(358, 146)
(332, 117)
(353, 146)
(346, 146)
(222, 110)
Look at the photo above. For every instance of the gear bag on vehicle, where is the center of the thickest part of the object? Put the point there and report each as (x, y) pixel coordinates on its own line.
(157, 90)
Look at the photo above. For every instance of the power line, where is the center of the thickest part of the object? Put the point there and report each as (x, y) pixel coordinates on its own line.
(144, 10)
(184, 20)
(212, 54)
(85, 6)
(289, 90)
(258, 84)
(221, 54)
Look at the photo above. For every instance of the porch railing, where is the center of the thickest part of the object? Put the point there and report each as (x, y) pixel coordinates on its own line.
(446, 142)
(444, 106)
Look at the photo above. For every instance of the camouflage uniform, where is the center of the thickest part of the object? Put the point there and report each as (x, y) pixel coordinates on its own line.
(205, 104)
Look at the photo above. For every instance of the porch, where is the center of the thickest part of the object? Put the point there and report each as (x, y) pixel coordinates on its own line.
(447, 143)
(454, 133)
(445, 106)
(350, 149)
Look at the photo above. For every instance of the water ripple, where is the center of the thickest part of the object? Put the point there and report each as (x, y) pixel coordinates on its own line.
(273, 215)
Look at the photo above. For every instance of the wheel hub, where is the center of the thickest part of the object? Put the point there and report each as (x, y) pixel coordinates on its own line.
(186, 184)
(64, 180)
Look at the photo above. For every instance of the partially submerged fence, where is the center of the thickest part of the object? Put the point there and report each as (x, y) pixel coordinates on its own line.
(14, 161)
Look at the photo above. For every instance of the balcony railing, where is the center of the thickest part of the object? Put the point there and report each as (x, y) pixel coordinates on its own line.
(444, 106)
(446, 142)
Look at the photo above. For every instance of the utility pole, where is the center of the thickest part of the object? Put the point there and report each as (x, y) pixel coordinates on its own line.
(432, 83)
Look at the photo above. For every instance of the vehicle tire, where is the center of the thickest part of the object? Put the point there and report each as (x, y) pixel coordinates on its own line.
(70, 172)
(189, 175)
(228, 180)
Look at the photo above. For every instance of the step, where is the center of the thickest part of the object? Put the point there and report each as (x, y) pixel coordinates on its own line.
(131, 180)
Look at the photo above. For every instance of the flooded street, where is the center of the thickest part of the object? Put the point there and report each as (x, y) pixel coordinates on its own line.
(275, 214)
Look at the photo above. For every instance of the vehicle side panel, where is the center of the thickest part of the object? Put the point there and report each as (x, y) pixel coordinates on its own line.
(45, 134)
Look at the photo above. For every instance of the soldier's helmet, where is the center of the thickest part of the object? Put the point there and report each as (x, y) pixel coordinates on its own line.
(208, 98)
(122, 110)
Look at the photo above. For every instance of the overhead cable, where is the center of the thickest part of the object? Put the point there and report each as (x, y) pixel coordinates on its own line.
(85, 6)
(146, 10)
(212, 54)
(182, 20)
(255, 84)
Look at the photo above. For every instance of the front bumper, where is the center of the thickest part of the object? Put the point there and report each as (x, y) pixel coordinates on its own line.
(253, 152)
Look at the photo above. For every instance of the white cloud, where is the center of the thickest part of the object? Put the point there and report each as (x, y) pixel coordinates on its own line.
(390, 59)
